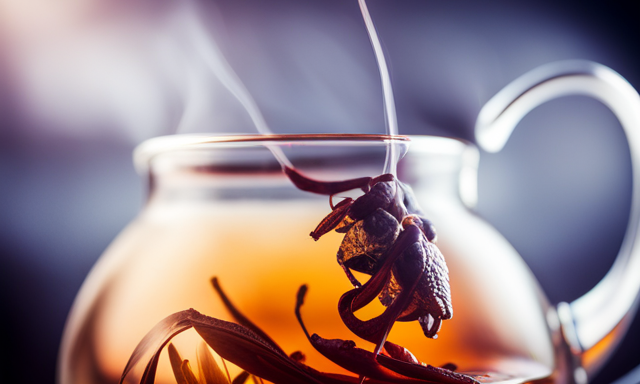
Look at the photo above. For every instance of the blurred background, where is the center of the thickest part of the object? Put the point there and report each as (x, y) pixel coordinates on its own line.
(82, 82)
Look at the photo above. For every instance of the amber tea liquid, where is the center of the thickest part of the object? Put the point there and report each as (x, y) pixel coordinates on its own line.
(261, 252)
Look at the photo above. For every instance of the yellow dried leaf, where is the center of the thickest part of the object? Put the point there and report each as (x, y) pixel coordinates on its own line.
(176, 364)
(209, 371)
(188, 373)
(241, 378)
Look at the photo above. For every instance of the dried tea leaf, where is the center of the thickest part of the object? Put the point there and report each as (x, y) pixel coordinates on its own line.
(400, 353)
(241, 378)
(260, 357)
(333, 220)
(425, 372)
(188, 373)
(241, 346)
(381, 278)
(176, 364)
(449, 366)
(298, 356)
(154, 341)
(381, 195)
(233, 342)
(326, 187)
(344, 352)
(208, 370)
(390, 292)
(376, 329)
(226, 370)
(345, 225)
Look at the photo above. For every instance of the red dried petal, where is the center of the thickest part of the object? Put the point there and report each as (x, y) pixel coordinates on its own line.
(333, 219)
(425, 372)
(326, 187)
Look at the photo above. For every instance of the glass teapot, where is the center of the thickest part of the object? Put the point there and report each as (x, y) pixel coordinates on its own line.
(221, 207)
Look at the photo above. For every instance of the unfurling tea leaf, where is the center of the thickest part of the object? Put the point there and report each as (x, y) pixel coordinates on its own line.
(375, 330)
(208, 370)
(249, 348)
(425, 372)
(155, 340)
(233, 342)
(244, 348)
(400, 353)
(226, 369)
(362, 362)
(188, 373)
(241, 378)
(176, 364)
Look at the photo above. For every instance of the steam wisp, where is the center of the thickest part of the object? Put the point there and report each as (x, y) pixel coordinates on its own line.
(391, 122)
(216, 61)
(221, 68)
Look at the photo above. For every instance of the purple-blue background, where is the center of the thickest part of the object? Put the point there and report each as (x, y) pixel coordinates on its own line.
(82, 82)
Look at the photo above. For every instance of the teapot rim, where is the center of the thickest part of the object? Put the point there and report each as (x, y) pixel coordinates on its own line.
(150, 148)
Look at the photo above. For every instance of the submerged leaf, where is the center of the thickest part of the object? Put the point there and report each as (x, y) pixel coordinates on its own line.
(155, 340)
(449, 366)
(362, 362)
(188, 373)
(400, 353)
(261, 359)
(241, 378)
(426, 372)
(226, 370)
(209, 371)
(176, 364)
(244, 348)
(345, 354)
(372, 288)
(233, 342)
(376, 329)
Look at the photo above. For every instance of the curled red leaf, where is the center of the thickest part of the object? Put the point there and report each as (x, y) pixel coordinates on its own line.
(425, 372)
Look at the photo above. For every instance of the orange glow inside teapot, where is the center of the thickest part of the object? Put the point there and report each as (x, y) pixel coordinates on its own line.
(222, 207)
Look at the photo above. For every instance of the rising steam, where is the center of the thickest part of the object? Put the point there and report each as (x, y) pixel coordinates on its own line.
(134, 70)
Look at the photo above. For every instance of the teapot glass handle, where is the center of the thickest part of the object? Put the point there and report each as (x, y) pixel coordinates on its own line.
(602, 314)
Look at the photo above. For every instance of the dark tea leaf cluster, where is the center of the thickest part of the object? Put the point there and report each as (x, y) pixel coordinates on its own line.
(386, 237)
(244, 344)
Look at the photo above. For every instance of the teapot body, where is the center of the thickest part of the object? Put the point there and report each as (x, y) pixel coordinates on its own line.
(227, 211)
